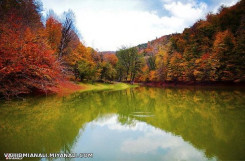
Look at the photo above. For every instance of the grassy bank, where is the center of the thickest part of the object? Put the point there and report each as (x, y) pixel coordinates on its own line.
(69, 88)
(104, 86)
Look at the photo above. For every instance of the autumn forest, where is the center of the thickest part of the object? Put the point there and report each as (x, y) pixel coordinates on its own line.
(42, 55)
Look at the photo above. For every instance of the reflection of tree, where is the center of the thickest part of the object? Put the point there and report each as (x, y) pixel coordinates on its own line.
(125, 120)
(212, 120)
(45, 125)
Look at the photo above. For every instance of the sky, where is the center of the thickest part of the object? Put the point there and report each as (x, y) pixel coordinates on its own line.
(107, 25)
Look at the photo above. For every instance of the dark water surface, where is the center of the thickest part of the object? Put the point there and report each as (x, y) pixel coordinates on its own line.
(134, 124)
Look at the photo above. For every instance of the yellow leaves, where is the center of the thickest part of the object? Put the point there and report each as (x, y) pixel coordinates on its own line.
(182, 64)
(176, 57)
(152, 75)
(53, 32)
(220, 37)
(196, 73)
(198, 61)
(77, 54)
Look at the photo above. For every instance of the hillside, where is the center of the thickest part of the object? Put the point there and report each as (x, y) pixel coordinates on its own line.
(212, 50)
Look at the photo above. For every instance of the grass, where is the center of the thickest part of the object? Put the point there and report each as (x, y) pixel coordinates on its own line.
(67, 87)
(104, 86)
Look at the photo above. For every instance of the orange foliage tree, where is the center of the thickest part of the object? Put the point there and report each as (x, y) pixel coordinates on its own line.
(53, 32)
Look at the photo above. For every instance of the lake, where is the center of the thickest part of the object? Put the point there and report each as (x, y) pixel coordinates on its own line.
(144, 123)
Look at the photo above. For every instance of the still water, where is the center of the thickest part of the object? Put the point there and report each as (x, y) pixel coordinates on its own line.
(134, 124)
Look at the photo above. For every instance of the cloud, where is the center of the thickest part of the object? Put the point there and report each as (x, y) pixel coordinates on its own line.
(216, 4)
(188, 12)
(142, 139)
(112, 123)
(109, 24)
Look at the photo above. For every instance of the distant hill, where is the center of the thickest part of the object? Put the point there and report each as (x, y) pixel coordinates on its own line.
(152, 46)
(108, 52)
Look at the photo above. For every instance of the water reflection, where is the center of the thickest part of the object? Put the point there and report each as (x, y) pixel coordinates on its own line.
(139, 141)
(136, 124)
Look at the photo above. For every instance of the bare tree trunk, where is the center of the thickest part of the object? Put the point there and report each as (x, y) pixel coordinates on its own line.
(66, 37)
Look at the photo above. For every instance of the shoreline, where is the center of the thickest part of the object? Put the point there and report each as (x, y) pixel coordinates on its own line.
(193, 84)
(79, 87)
(68, 88)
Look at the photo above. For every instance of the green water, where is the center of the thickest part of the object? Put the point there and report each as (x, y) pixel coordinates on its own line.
(133, 124)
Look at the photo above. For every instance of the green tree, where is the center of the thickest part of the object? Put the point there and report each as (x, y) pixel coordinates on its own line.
(107, 71)
(87, 70)
(129, 63)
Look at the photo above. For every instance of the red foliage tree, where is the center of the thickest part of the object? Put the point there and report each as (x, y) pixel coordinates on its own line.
(27, 63)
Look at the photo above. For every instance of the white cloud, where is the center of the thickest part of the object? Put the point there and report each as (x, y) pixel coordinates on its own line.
(109, 24)
(112, 123)
(227, 3)
(188, 12)
(150, 140)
